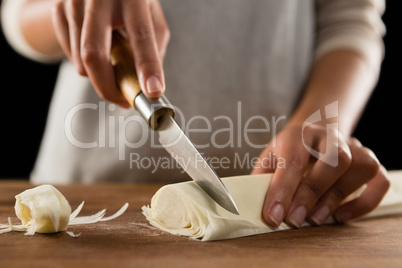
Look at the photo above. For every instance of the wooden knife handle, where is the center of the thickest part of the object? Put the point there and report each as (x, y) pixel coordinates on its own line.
(123, 64)
(127, 81)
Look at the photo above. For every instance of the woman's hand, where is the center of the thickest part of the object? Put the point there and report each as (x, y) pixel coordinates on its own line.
(84, 31)
(306, 188)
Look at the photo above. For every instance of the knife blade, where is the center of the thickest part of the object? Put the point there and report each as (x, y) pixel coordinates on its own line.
(177, 144)
(159, 115)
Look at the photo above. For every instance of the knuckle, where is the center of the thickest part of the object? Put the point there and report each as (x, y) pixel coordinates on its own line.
(336, 154)
(90, 53)
(371, 166)
(354, 141)
(367, 162)
(310, 193)
(386, 184)
(166, 36)
(81, 70)
(296, 163)
(164, 30)
(331, 131)
(167, 32)
(142, 32)
(313, 130)
(344, 156)
(288, 138)
(337, 195)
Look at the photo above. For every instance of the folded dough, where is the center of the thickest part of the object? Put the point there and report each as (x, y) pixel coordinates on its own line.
(184, 209)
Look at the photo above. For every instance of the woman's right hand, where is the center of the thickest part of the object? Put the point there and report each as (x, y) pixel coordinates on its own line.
(84, 31)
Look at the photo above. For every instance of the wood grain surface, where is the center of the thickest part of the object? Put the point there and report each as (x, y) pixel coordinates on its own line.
(129, 241)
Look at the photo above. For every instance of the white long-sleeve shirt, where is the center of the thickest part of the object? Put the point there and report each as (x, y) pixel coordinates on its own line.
(232, 66)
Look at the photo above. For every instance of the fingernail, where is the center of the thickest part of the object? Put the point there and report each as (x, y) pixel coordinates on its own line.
(321, 215)
(298, 216)
(154, 84)
(276, 214)
(345, 216)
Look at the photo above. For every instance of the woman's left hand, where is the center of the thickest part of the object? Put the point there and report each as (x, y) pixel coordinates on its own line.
(312, 188)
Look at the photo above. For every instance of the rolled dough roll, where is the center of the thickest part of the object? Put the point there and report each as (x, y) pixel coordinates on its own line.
(184, 209)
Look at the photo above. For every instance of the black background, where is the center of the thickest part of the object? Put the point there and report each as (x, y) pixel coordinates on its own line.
(26, 89)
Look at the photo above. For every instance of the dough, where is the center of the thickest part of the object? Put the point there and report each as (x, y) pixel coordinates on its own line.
(184, 209)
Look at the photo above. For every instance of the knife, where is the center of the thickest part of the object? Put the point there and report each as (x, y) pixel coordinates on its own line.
(159, 114)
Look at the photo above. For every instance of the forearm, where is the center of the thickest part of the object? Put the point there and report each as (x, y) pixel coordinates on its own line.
(342, 76)
(37, 27)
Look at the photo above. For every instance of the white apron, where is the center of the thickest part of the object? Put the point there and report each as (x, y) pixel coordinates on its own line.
(235, 70)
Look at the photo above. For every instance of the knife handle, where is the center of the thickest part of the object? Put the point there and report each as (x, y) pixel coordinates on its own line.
(124, 69)
(127, 81)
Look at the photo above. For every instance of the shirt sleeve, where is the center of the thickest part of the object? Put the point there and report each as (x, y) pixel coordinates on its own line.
(355, 25)
(10, 14)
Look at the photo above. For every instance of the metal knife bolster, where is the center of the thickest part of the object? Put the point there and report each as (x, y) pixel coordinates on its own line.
(153, 109)
(121, 58)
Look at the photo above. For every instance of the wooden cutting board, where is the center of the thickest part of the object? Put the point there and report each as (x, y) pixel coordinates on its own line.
(129, 241)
